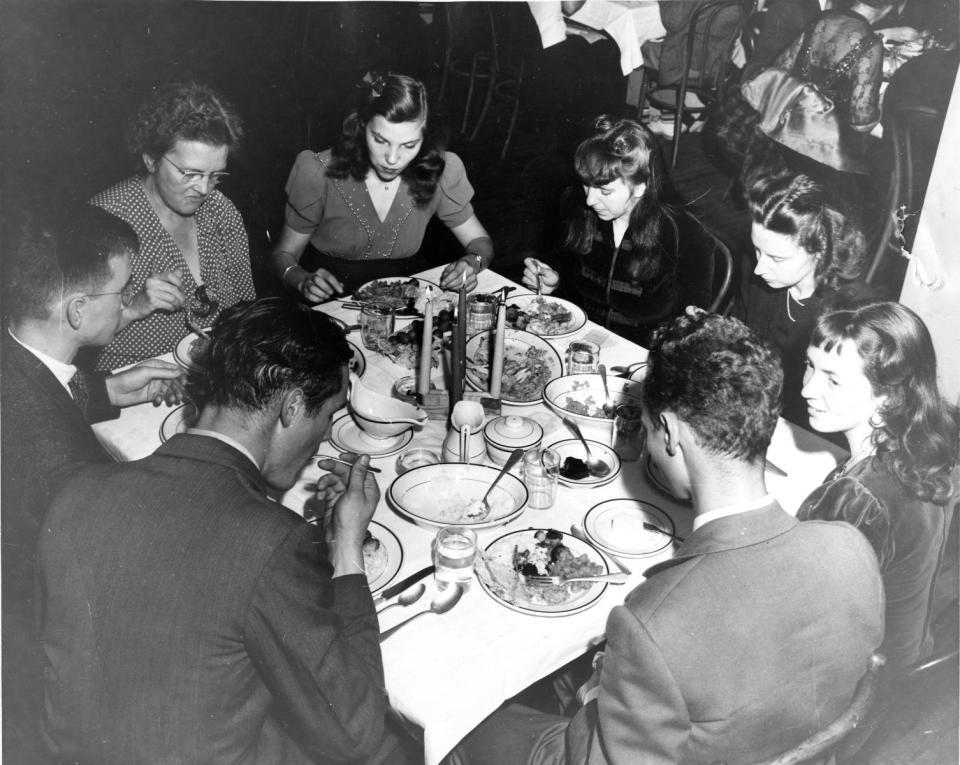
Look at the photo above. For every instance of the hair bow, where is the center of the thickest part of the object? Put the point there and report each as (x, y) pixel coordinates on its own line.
(375, 81)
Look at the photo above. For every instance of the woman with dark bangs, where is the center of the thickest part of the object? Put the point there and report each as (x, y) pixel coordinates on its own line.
(621, 258)
(872, 376)
(359, 211)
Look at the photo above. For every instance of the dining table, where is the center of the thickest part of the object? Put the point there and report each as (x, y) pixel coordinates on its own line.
(445, 673)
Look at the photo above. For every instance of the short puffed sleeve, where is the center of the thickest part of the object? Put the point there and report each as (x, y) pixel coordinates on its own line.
(306, 192)
(455, 193)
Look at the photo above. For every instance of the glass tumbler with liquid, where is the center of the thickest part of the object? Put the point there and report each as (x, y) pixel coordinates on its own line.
(480, 312)
(454, 551)
(376, 323)
(583, 358)
(541, 472)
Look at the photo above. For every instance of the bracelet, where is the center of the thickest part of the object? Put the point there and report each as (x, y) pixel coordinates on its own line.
(479, 258)
(283, 277)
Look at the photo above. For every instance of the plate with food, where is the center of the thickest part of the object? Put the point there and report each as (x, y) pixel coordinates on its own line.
(541, 552)
(402, 293)
(188, 349)
(544, 316)
(630, 528)
(382, 556)
(573, 463)
(529, 363)
(403, 346)
(181, 418)
(449, 494)
(581, 397)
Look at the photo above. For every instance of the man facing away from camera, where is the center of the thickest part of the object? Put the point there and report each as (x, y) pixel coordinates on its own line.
(189, 618)
(755, 634)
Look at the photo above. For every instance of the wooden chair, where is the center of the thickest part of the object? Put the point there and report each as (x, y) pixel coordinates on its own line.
(706, 275)
(705, 61)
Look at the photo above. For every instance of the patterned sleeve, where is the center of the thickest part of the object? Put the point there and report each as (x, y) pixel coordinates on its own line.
(866, 77)
(238, 252)
(306, 193)
(455, 193)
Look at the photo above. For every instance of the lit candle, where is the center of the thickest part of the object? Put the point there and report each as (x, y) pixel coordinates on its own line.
(496, 368)
(426, 348)
(459, 370)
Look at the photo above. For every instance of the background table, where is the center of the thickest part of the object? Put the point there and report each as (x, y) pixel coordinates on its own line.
(447, 673)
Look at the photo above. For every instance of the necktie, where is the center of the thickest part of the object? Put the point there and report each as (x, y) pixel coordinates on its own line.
(78, 389)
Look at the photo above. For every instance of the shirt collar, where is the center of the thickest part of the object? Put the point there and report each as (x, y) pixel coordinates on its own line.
(62, 371)
(728, 510)
(227, 440)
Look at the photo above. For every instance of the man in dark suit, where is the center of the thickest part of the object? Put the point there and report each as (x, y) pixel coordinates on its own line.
(64, 288)
(755, 635)
(187, 617)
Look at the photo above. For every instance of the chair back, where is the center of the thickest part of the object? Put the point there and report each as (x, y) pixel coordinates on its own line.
(713, 32)
(706, 272)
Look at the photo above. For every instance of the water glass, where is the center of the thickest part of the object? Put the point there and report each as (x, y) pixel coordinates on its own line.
(541, 471)
(583, 358)
(416, 458)
(480, 313)
(628, 435)
(454, 551)
(376, 323)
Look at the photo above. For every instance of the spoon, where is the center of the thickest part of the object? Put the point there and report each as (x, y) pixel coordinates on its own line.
(483, 507)
(629, 369)
(597, 467)
(608, 407)
(576, 531)
(407, 597)
(443, 602)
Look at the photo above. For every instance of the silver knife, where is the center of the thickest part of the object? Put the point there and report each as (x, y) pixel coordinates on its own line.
(396, 589)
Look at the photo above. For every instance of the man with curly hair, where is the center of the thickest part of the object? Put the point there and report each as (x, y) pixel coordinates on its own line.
(187, 617)
(755, 634)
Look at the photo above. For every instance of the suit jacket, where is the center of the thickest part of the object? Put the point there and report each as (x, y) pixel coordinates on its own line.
(753, 637)
(46, 438)
(189, 618)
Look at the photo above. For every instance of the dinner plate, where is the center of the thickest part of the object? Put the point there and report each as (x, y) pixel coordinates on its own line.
(616, 526)
(182, 353)
(358, 363)
(494, 569)
(394, 556)
(657, 480)
(347, 436)
(573, 448)
(367, 293)
(528, 303)
(516, 344)
(177, 421)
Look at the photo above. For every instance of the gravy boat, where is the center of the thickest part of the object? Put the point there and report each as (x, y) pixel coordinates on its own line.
(381, 416)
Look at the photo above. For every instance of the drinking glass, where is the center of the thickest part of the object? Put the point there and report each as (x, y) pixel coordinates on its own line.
(376, 323)
(541, 471)
(480, 311)
(416, 458)
(583, 357)
(454, 551)
(628, 435)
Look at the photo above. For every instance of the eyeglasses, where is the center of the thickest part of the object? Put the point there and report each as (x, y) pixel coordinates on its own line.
(205, 305)
(191, 178)
(126, 295)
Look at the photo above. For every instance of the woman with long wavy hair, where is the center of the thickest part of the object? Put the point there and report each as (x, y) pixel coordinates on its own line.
(626, 241)
(359, 210)
(872, 376)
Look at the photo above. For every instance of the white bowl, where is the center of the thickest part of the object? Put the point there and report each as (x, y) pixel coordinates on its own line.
(434, 496)
(581, 397)
(504, 434)
(381, 416)
(573, 448)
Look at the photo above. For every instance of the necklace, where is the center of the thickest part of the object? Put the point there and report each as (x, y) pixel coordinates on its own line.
(376, 181)
(799, 303)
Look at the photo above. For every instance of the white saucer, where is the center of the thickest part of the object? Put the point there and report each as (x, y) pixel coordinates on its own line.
(347, 436)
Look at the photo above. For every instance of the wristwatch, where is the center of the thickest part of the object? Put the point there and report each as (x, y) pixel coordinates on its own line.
(479, 258)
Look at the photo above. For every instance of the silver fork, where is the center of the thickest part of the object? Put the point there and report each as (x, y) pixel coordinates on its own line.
(616, 578)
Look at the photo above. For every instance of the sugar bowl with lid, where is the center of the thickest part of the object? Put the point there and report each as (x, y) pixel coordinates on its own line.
(509, 432)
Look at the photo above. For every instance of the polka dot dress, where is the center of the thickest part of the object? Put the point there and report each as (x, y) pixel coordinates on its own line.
(224, 268)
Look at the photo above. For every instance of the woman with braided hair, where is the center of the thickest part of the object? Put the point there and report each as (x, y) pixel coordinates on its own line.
(809, 256)
(359, 210)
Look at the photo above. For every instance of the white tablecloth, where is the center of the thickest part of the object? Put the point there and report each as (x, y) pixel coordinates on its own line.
(447, 673)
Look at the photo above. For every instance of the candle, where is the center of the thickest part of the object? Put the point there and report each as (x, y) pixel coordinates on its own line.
(456, 381)
(459, 371)
(496, 368)
(426, 348)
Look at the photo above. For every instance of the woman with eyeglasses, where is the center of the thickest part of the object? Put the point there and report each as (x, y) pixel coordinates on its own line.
(871, 374)
(359, 210)
(194, 258)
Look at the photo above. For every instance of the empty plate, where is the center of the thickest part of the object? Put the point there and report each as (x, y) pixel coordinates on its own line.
(617, 526)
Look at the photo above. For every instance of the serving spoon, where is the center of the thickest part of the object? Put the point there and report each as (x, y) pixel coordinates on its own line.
(608, 408)
(597, 467)
(407, 597)
(443, 602)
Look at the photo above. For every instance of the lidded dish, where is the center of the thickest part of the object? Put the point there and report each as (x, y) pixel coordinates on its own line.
(509, 432)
